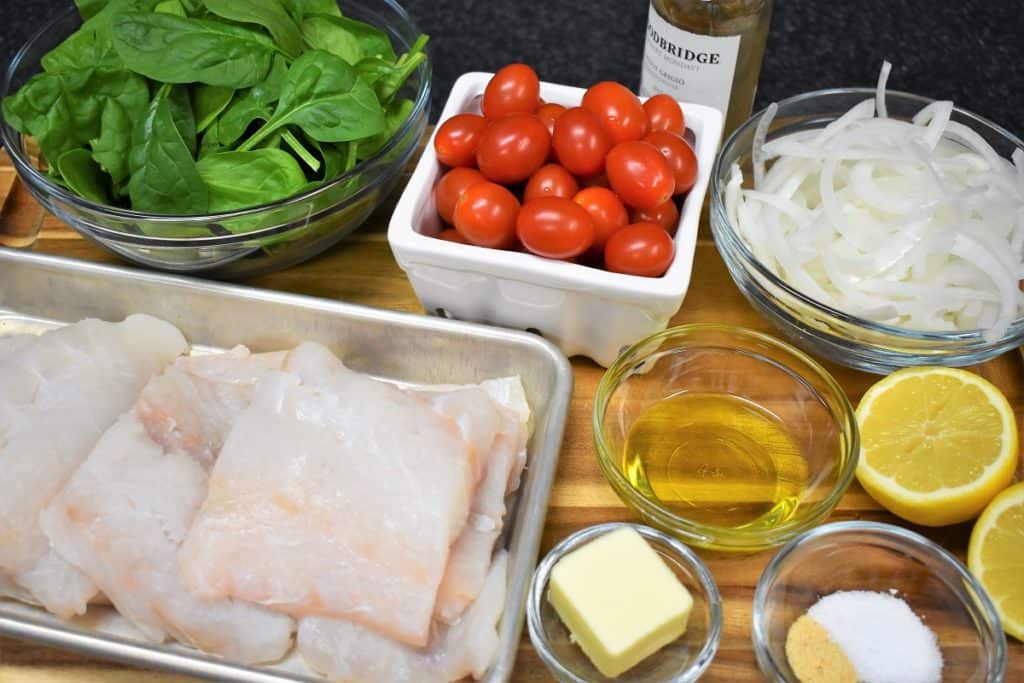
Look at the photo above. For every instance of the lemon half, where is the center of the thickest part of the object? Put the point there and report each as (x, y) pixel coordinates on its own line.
(937, 444)
(996, 556)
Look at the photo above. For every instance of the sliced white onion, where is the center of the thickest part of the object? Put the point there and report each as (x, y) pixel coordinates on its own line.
(918, 224)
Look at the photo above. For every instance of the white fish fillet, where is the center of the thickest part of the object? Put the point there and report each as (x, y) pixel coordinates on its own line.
(344, 651)
(57, 396)
(125, 512)
(499, 435)
(335, 495)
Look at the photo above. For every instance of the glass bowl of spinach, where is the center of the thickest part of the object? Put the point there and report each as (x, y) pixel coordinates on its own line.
(223, 137)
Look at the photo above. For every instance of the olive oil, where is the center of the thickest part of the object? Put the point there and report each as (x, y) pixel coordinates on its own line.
(716, 459)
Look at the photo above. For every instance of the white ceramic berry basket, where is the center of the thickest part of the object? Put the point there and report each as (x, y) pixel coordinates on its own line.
(585, 311)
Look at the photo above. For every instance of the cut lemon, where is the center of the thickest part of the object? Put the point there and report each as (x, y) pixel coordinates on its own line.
(996, 556)
(937, 444)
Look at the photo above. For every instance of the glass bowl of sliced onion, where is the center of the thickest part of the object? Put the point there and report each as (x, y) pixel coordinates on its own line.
(877, 229)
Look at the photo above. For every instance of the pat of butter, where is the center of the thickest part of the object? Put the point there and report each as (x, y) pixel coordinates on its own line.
(619, 600)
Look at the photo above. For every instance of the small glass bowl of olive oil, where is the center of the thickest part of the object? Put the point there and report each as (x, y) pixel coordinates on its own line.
(725, 437)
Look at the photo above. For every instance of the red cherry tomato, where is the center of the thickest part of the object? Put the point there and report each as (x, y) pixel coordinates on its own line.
(452, 235)
(513, 148)
(680, 157)
(639, 174)
(555, 227)
(663, 113)
(548, 113)
(618, 109)
(607, 212)
(639, 249)
(551, 180)
(451, 186)
(515, 89)
(486, 215)
(580, 142)
(457, 138)
(665, 214)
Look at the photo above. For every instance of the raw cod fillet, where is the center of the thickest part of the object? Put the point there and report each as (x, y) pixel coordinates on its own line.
(493, 417)
(125, 512)
(57, 396)
(345, 651)
(335, 495)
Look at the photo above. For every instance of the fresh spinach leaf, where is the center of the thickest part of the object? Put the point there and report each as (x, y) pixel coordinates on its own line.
(184, 118)
(269, 14)
(62, 110)
(209, 144)
(83, 175)
(387, 78)
(164, 175)
(324, 96)
(238, 180)
(347, 38)
(209, 101)
(112, 147)
(300, 9)
(249, 105)
(172, 7)
(170, 49)
(394, 116)
(89, 8)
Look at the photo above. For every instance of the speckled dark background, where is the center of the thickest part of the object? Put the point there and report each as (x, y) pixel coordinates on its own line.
(969, 50)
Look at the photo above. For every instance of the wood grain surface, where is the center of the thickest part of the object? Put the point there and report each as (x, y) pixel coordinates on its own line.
(362, 270)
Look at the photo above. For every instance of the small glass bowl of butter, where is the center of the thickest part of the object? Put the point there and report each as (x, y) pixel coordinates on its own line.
(622, 571)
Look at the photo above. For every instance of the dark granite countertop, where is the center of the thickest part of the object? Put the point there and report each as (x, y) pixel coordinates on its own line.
(969, 50)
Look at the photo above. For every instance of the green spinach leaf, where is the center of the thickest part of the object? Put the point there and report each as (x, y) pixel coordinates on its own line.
(89, 8)
(300, 9)
(170, 49)
(164, 175)
(394, 116)
(249, 105)
(209, 101)
(112, 147)
(300, 150)
(324, 96)
(238, 180)
(84, 176)
(347, 38)
(172, 7)
(269, 14)
(184, 118)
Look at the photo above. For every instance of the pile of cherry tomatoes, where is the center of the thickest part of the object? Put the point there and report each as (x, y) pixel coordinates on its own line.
(596, 184)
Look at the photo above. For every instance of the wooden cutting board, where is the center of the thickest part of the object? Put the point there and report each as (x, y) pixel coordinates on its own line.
(362, 270)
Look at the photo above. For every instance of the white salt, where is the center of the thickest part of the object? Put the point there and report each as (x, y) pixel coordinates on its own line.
(882, 637)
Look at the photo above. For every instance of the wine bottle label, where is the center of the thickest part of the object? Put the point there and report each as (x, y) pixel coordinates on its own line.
(688, 66)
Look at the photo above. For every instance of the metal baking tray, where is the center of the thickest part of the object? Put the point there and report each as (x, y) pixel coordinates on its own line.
(38, 292)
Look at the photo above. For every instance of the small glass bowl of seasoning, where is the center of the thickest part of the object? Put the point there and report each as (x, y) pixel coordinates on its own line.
(866, 602)
(725, 437)
(632, 580)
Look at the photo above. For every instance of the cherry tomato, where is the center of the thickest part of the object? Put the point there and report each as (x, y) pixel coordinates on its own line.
(607, 212)
(515, 89)
(680, 158)
(663, 113)
(551, 180)
(665, 214)
(639, 174)
(451, 186)
(486, 215)
(548, 113)
(512, 148)
(457, 138)
(639, 249)
(452, 235)
(618, 109)
(555, 227)
(580, 142)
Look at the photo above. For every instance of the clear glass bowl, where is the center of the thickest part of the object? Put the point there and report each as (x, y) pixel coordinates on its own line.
(774, 376)
(681, 661)
(277, 235)
(880, 557)
(815, 327)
